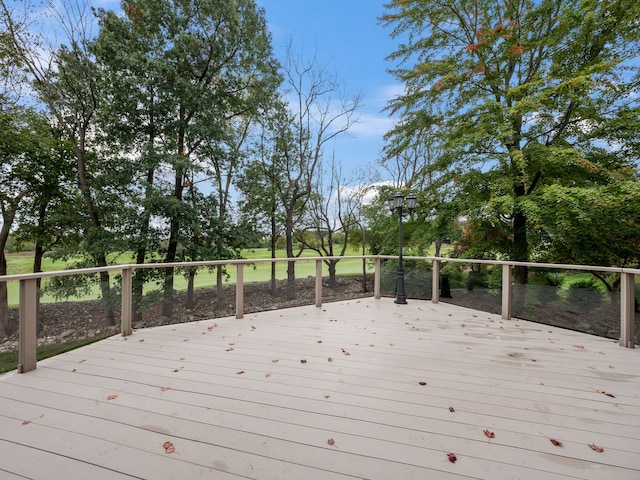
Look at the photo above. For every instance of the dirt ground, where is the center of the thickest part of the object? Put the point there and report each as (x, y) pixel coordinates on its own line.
(66, 321)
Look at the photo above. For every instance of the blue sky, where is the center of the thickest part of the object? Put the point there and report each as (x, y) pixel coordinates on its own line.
(345, 35)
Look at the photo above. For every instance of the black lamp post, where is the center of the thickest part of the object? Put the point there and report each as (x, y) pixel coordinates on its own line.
(396, 204)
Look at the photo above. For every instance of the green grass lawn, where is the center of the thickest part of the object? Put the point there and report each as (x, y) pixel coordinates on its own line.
(205, 278)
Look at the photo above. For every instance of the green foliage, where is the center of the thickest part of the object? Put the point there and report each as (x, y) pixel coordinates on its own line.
(522, 98)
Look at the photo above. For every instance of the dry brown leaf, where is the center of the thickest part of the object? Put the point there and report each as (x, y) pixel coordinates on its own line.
(112, 397)
(253, 327)
(596, 448)
(422, 383)
(26, 422)
(267, 375)
(331, 442)
(168, 447)
(303, 360)
(452, 457)
(451, 409)
(74, 370)
(230, 349)
(327, 396)
(488, 433)
(164, 389)
(240, 372)
(275, 361)
(141, 340)
(83, 360)
(579, 347)
(555, 442)
(329, 359)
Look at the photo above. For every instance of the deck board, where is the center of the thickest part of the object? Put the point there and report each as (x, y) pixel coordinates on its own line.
(106, 409)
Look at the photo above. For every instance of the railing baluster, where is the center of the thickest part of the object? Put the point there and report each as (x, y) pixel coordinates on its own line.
(318, 283)
(506, 291)
(376, 279)
(28, 312)
(435, 282)
(126, 303)
(239, 290)
(627, 310)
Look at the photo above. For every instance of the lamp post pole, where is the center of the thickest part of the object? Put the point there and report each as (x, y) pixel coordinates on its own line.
(396, 205)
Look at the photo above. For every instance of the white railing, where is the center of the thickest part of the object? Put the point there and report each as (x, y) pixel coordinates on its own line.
(29, 291)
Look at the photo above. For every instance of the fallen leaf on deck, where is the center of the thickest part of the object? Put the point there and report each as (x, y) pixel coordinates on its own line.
(579, 347)
(318, 341)
(240, 372)
(489, 433)
(230, 349)
(452, 457)
(331, 442)
(451, 409)
(253, 327)
(141, 340)
(275, 361)
(83, 360)
(26, 422)
(74, 370)
(112, 397)
(611, 366)
(327, 396)
(604, 392)
(596, 448)
(168, 447)
(267, 375)
(303, 360)
(329, 359)
(601, 353)
(422, 383)
(164, 389)
(555, 442)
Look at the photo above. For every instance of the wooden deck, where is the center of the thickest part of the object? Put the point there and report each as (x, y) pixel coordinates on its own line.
(330, 393)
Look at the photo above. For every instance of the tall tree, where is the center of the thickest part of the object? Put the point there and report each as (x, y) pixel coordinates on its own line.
(524, 91)
(65, 79)
(27, 156)
(193, 67)
(318, 113)
(330, 218)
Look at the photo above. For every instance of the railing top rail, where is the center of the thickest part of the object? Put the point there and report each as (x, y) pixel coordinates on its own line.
(213, 263)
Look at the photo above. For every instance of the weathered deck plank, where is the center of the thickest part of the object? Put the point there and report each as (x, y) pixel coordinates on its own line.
(106, 409)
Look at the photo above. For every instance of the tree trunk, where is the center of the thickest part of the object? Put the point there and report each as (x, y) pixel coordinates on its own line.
(520, 247)
(139, 277)
(4, 299)
(291, 266)
(172, 248)
(333, 282)
(190, 289)
(438, 244)
(273, 253)
(219, 294)
(37, 258)
(37, 267)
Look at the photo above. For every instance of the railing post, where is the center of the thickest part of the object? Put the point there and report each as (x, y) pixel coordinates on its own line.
(627, 310)
(435, 282)
(376, 279)
(318, 283)
(239, 290)
(506, 291)
(28, 312)
(126, 302)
